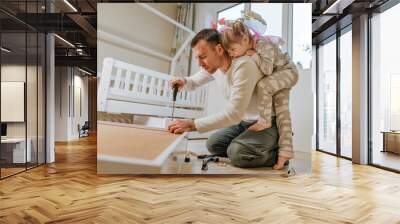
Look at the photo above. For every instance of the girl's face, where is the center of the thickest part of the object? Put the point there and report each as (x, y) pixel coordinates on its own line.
(239, 49)
(236, 50)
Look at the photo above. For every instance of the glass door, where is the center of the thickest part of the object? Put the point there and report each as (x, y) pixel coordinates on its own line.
(327, 96)
(22, 77)
(14, 145)
(385, 90)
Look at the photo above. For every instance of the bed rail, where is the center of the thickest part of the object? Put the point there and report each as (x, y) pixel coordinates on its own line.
(127, 88)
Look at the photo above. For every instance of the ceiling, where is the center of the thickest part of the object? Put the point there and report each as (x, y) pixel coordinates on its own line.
(76, 26)
(332, 15)
(77, 23)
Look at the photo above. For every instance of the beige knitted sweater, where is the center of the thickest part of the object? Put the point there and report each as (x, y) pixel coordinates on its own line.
(238, 85)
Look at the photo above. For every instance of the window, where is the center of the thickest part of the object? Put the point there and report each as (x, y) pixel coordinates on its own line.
(327, 96)
(272, 14)
(385, 87)
(394, 101)
(232, 13)
(346, 94)
(302, 35)
(334, 137)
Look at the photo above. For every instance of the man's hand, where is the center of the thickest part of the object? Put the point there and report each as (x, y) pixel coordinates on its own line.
(179, 126)
(180, 82)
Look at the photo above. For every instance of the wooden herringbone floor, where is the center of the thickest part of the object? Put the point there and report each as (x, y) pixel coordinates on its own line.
(69, 191)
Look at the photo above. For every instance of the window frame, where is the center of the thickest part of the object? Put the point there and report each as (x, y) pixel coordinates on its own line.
(379, 10)
(27, 29)
(387, 5)
(336, 36)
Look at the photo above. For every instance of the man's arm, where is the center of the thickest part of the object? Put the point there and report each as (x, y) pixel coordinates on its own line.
(197, 80)
(244, 81)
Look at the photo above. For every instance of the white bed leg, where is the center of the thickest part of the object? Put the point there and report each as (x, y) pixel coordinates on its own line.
(104, 86)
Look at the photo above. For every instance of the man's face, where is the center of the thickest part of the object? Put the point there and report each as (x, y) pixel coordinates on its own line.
(209, 56)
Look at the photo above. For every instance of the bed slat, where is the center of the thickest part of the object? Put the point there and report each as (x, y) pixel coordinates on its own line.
(143, 86)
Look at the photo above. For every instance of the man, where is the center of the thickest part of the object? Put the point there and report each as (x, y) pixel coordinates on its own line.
(238, 77)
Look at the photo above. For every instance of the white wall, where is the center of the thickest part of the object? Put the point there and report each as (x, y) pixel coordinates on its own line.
(62, 81)
(314, 90)
(14, 73)
(17, 73)
(12, 100)
(134, 23)
(33, 126)
(67, 84)
(302, 111)
(79, 117)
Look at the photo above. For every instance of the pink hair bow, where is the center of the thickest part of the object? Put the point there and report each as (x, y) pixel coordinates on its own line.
(221, 22)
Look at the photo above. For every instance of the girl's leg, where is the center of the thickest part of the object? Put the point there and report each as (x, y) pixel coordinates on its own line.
(267, 87)
(284, 123)
(265, 109)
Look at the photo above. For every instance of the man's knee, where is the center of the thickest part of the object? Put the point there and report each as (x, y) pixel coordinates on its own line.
(211, 145)
(245, 156)
(215, 144)
(234, 154)
(241, 156)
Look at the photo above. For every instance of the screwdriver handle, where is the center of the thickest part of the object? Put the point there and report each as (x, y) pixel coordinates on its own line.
(175, 88)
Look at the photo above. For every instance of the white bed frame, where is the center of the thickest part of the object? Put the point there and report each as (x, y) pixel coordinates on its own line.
(126, 88)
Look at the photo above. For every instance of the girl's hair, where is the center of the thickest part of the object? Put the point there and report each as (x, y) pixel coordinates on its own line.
(234, 32)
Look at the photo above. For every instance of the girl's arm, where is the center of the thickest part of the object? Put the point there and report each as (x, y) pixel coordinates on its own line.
(265, 56)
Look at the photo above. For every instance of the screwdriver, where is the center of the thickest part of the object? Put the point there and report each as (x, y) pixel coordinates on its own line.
(175, 93)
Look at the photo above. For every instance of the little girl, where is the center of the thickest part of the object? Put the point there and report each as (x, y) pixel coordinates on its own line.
(280, 76)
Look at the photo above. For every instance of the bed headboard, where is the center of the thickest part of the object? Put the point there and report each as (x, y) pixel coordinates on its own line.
(127, 88)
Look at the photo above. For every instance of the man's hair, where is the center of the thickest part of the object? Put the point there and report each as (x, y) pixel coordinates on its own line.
(211, 36)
